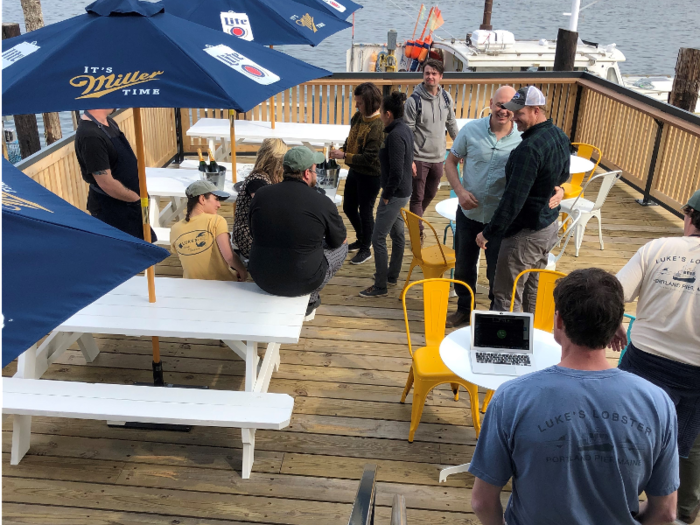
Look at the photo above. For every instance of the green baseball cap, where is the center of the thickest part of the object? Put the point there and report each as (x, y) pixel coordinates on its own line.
(302, 158)
(202, 187)
(694, 201)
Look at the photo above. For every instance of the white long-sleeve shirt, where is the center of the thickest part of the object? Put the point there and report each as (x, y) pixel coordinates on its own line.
(665, 275)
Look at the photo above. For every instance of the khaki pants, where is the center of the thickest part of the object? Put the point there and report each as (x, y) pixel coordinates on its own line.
(526, 250)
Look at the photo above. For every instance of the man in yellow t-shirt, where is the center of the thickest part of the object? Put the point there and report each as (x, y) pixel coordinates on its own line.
(202, 241)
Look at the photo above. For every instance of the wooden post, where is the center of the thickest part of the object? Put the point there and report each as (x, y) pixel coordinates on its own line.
(488, 7)
(565, 55)
(151, 271)
(232, 121)
(34, 19)
(686, 83)
(25, 125)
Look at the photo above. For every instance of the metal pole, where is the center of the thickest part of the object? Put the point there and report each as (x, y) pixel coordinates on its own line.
(646, 201)
(573, 22)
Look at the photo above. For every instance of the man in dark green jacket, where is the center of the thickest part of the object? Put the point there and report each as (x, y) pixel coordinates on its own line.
(526, 217)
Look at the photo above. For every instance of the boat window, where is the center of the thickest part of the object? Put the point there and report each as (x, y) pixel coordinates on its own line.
(612, 75)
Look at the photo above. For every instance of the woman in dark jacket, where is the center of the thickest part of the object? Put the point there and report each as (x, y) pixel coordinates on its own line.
(396, 157)
(361, 154)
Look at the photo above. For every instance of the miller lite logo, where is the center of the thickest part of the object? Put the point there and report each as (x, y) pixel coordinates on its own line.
(242, 64)
(18, 52)
(335, 5)
(236, 24)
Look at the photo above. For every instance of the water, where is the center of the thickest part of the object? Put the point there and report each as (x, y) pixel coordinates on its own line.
(649, 33)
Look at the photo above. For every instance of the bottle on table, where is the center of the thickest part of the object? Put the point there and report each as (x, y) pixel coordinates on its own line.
(213, 166)
(202, 162)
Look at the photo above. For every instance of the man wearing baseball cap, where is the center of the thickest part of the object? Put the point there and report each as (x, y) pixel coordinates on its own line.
(664, 277)
(299, 239)
(202, 241)
(526, 216)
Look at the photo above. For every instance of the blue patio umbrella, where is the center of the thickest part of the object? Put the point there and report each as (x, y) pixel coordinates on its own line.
(339, 8)
(56, 260)
(129, 53)
(266, 22)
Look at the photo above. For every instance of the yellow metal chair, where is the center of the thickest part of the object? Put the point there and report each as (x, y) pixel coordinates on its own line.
(427, 369)
(544, 306)
(433, 260)
(575, 187)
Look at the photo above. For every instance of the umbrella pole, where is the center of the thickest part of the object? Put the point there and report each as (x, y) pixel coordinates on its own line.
(151, 271)
(272, 109)
(232, 121)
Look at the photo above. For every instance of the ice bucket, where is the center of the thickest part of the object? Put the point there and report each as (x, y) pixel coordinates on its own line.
(216, 177)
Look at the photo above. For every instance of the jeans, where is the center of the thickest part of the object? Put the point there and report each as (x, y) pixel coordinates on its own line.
(334, 258)
(689, 491)
(526, 250)
(468, 258)
(358, 204)
(389, 222)
(425, 186)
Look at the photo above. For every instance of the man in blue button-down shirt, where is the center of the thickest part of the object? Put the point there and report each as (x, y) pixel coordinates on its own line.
(485, 145)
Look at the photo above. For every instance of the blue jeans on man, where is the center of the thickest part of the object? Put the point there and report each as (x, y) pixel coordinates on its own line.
(467, 257)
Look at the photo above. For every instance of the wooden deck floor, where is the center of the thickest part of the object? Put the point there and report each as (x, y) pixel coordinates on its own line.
(346, 375)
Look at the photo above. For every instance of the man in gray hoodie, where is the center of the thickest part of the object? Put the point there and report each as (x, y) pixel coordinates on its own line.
(429, 112)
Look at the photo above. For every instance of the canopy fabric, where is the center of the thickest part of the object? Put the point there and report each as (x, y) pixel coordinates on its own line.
(266, 22)
(128, 53)
(56, 260)
(341, 9)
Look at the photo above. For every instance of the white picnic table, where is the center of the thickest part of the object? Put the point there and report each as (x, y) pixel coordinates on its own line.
(293, 133)
(240, 314)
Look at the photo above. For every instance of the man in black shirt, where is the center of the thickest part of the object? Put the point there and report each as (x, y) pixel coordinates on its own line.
(109, 165)
(299, 239)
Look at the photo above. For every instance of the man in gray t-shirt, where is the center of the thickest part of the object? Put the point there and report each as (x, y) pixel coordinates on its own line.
(580, 440)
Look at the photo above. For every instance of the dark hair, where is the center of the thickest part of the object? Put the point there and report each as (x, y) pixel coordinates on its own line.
(694, 216)
(289, 173)
(192, 202)
(370, 95)
(435, 64)
(591, 302)
(394, 103)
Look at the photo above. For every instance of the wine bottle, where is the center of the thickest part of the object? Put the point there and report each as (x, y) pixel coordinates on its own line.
(202, 162)
(213, 166)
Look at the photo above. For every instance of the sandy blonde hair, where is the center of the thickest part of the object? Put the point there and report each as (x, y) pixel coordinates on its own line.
(270, 159)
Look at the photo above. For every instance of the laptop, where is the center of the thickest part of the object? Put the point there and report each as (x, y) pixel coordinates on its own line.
(501, 343)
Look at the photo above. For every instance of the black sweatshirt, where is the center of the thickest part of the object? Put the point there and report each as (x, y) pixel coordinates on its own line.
(289, 223)
(396, 158)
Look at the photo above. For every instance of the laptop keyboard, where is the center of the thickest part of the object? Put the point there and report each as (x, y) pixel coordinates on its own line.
(503, 359)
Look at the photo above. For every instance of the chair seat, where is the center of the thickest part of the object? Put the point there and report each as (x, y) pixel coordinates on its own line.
(433, 257)
(571, 191)
(428, 364)
(584, 205)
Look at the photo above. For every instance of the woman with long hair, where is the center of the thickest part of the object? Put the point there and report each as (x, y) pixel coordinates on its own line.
(396, 180)
(361, 154)
(268, 169)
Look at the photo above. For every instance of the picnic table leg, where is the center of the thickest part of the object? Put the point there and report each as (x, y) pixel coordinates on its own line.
(248, 438)
(251, 365)
(270, 362)
(88, 347)
(21, 436)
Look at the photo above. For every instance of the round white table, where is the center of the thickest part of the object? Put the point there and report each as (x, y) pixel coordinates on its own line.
(580, 165)
(454, 352)
(448, 208)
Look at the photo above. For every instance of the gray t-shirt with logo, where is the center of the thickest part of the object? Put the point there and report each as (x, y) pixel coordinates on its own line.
(579, 446)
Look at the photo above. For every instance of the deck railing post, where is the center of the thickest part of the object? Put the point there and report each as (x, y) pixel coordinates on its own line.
(646, 200)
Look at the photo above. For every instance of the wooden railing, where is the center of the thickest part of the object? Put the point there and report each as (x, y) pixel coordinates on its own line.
(657, 146)
(57, 167)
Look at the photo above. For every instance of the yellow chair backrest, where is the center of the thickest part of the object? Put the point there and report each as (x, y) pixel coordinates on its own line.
(585, 151)
(413, 224)
(436, 293)
(544, 305)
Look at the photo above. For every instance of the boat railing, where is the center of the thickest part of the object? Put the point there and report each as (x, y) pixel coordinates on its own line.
(657, 146)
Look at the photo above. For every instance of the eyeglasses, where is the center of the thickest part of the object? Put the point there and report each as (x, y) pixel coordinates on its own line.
(501, 106)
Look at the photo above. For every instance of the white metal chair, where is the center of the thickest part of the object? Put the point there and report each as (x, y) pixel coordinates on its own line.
(589, 208)
(569, 227)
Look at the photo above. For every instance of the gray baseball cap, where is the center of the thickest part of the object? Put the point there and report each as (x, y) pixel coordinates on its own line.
(202, 187)
(694, 201)
(525, 96)
(302, 158)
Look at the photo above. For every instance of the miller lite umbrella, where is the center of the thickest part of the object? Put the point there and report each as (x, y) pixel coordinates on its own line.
(341, 9)
(129, 53)
(266, 22)
(85, 259)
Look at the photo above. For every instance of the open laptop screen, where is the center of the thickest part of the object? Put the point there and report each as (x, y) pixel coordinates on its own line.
(510, 332)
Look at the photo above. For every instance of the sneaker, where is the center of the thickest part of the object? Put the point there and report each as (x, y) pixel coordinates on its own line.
(457, 319)
(391, 284)
(373, 292)
(311, 310)
(355, 246)
(362, 256)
